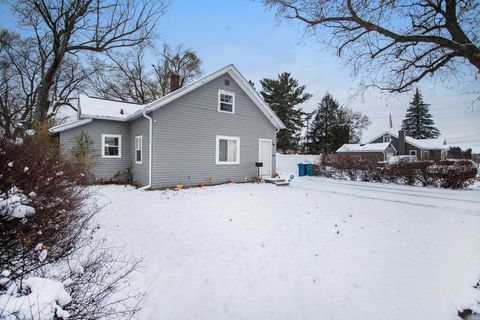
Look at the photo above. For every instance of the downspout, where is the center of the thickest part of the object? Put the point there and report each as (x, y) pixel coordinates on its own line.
(150, 143)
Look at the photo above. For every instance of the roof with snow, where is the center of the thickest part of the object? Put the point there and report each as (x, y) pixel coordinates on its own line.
(424, 144)
(98, 108)
(371, 147)
(428, 144)
(91, 107)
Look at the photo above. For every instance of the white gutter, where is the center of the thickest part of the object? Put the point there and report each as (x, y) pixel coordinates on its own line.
(150, 143)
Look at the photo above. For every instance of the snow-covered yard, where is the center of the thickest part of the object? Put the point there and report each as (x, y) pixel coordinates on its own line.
(318, 249)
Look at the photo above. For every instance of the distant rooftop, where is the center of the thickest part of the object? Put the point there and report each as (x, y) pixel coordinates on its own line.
(371, 147)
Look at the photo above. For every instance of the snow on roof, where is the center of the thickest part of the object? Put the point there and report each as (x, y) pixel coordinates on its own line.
(371, 147)
(91, 107)
(428, 144)
(425, 144)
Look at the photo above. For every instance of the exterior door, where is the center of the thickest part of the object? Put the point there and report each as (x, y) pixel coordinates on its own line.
(265, 156)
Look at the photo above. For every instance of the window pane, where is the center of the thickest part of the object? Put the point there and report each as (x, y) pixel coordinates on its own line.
(232, 150)
(138, 143)
(111, 141)
(222, 150)
(139, 155)
(111, 151)
(226, 98)
(226, 107)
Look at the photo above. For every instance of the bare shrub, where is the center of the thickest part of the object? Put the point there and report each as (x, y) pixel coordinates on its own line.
(47, 227)
(403, 172)
(52, 184)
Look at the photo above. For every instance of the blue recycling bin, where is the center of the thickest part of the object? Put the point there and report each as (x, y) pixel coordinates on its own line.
(309, 169)
(301, 169)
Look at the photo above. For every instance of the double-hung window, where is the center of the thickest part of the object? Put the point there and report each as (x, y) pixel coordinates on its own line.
(138, 149)
(226, 101)
(227, 150)
(111, 146)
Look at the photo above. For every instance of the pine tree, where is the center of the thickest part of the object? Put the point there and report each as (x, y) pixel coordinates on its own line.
(334, 125)
(283, 95)
(320, 135)
(418, 122)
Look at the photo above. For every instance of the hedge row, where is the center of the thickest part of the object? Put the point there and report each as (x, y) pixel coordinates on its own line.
(403, 172)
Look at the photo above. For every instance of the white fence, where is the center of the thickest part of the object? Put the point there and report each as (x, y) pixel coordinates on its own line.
(288, 163)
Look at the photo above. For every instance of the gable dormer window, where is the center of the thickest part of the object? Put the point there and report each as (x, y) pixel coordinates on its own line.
(226, 101)
(386, 138)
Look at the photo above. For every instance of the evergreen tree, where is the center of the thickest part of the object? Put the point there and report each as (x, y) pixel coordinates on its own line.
(320, 135)
(334, 125)
(283, 95)
(418, 122)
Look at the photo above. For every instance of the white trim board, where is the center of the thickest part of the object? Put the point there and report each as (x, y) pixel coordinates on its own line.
(69, 125)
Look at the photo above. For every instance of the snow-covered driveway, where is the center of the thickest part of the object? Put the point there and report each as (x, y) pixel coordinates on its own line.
(319, 249)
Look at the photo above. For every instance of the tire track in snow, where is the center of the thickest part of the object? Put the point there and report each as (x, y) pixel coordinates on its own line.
(398, 191)
(444, 208)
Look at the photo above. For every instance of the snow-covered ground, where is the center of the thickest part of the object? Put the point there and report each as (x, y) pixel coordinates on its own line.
(318, 249)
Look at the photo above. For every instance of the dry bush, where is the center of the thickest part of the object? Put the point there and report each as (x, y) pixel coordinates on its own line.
(453, 179)
(56, 241)
(37, 169)
(404, 172)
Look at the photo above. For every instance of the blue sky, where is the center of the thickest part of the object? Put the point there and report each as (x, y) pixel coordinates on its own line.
(244, 33)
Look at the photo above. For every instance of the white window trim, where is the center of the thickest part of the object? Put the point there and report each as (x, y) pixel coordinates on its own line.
(233, 102)
(387, 135)
(259, 150)
(141, 149)
(119, 145)
(414, 152)
(217, 149)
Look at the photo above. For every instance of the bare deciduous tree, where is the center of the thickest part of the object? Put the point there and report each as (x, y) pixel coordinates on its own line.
(21, 70)
(183, 62)
(128, 76)
(397, 42)
(62, 28)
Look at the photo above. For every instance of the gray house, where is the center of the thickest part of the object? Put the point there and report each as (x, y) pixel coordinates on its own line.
(211, 130)
(388, 144)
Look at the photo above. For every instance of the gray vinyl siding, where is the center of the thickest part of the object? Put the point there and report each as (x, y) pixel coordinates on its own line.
(388, 150)
(105, 167)
(185, 131)
(408, 146)
(140, 127)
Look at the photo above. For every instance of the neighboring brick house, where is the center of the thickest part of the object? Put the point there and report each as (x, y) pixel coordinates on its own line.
(423, 149)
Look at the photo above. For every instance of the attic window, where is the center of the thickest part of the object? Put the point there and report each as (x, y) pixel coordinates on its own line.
(227, 82)
(226, 101)
(386, 138)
